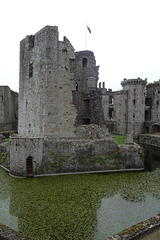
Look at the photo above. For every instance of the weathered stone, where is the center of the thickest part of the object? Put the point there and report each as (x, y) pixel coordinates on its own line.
(129, 139)
(92, 131)
(58, 94)
(131, 155)
(2, 138)
(8, 109)
(139, 230)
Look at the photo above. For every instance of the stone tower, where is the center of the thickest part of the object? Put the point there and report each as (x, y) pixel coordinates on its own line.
(46, 108)
(152, 111)
(136, 104)
(86, 78)
(86, 71)
(46, 85)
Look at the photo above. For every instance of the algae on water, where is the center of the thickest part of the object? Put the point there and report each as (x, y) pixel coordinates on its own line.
(85, 206)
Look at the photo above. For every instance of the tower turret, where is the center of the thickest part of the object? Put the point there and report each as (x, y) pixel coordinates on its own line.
(86, 71)
(136, 104)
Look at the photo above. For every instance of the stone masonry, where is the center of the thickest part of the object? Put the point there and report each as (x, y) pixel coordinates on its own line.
(63, 116)
(8, 109)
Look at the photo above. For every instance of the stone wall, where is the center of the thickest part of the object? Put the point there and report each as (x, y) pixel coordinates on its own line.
(8, 109)
(51, 156)
(20, 150)
(151, 140)
(120, 106)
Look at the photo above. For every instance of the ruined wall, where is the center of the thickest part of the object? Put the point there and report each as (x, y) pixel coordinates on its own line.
(46, 84)
(20, 150)
(53, 155)
(114, 108)
(150, 140)
(120, 106)
(8, 109)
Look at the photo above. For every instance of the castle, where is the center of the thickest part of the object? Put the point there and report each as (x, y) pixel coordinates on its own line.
(59, 98)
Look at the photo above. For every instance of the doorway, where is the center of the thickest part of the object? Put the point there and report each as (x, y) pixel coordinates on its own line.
(29, 166)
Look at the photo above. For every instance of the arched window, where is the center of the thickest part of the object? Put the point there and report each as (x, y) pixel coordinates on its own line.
(84, 62)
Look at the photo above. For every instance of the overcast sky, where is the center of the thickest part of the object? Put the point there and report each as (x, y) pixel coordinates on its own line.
(125, 35)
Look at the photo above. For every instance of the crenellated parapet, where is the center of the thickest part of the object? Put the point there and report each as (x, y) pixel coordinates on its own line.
(154, 84)
(137, 81)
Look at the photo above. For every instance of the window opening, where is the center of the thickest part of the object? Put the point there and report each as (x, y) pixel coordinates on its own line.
(111, 111)
(31, 42)
(148, 102)
(111, 99)
(30, 70)
(84, 62)
(147, 115)
(76, 86)
(86, 121)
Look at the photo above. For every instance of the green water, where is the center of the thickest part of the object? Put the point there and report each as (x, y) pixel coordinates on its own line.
(91, 206)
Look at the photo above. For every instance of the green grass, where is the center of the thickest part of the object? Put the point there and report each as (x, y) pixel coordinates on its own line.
(120, 139)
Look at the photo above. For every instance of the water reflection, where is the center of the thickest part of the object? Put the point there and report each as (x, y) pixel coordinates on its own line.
(5, 216)
(113, 217)
(152, 157)
(79, 206)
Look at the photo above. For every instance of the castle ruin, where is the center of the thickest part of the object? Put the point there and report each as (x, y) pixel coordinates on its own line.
(63, 115)
(8, 110)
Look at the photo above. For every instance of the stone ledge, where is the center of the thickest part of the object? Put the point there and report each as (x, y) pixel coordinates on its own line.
(138, 230)
(8, 234)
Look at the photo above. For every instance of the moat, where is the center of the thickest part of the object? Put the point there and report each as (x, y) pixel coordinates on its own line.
(85, 206)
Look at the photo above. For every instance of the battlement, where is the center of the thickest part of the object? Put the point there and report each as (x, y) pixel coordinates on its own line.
(84, 53)
(155, 83)
(137, 81)
(120, 92)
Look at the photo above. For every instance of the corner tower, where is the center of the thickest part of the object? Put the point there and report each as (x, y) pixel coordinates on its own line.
(136, 104)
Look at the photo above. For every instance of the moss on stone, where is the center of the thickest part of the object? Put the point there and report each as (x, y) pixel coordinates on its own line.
(5, 159)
